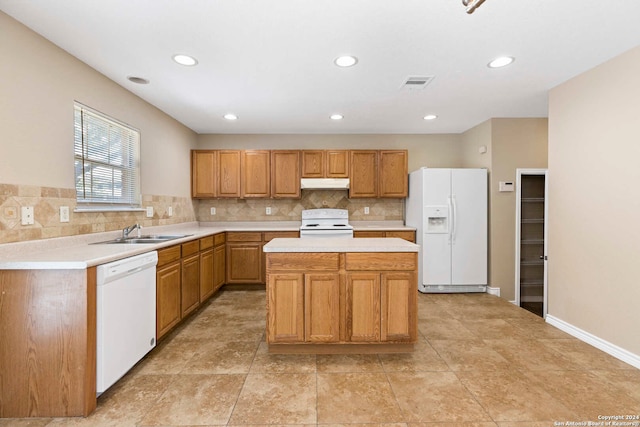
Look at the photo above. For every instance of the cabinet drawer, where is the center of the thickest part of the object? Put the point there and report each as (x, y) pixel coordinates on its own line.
(406, 235)
(358, 233)
(303, 261)
(206, 243)
(268, 236)
(190, 248)
(167, 255)
(219, 239)
(381, 261)
(244, 237)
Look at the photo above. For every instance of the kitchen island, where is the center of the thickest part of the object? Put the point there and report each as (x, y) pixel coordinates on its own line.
(341, 295)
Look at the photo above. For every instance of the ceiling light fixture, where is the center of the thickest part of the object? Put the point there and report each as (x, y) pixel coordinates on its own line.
(186, 60)
(472, 5)
(430, 117)
(346, 61)
(138, 80)
(337, 117)
(501, 61)
(230, 116)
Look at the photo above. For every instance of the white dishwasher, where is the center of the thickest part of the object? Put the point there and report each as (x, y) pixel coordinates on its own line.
(126, 316)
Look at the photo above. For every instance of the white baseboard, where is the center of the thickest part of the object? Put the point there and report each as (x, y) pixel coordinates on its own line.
(493, 291)
(612, 349)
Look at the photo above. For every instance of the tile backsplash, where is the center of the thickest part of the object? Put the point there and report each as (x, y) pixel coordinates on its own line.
(48, 200)
(291, 209)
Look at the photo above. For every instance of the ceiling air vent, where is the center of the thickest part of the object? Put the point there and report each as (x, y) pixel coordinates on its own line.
(416, 82)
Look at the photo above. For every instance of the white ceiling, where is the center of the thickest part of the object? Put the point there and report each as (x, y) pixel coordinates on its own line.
(271, 61)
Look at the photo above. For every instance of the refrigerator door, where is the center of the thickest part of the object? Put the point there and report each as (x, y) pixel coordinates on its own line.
(436, 247)
(469, 227)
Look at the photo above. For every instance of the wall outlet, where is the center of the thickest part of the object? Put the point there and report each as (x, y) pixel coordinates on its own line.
(170, 211)
(27, 215)
(213, 211)
(149, 211)
(64, 213)
(268, 210)
(366, 210)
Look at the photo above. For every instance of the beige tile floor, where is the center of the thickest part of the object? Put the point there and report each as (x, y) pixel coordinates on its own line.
(480, 361)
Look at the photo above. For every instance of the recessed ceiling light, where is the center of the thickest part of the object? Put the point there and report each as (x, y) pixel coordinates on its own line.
(230, 116)
(501, 61)
(186, 60)
(430, 117)
(138, 80)
(337, 117)
(346, 61)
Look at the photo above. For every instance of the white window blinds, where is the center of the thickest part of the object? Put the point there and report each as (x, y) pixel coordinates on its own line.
(107, 162)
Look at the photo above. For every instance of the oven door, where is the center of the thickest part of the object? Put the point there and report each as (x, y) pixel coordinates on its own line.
(315, 232)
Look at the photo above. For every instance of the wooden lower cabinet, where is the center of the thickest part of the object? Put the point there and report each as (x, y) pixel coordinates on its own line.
(244, 263)
(363, 307)
(322, 307)
(168, 312)
(285, 308)
(206, 274)
(406, 235)
(342, 298)
(219, 266)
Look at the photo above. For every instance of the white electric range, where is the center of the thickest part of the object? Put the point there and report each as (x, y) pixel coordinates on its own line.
(325, 223)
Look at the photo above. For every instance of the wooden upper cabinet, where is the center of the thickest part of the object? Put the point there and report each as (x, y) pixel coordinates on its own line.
(393, 178)
(337, 164)
(203, 173)
(325, 163)
(363, 173)
(285, 174)
(312, 163)
(228, 175)
(256, 173)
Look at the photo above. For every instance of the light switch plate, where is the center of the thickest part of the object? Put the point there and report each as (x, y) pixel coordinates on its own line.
(213, 211)
(27, 215)
(170, 211)
(149, 211)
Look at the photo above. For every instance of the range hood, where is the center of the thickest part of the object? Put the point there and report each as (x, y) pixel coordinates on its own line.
(324, 183)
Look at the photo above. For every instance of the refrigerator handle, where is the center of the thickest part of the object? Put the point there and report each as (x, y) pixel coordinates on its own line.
(450, 218)
(454, 220)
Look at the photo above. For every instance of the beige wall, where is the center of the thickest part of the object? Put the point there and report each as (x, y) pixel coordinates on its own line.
(594, 201)
(424, 150)
(39, 83)
(511, 144)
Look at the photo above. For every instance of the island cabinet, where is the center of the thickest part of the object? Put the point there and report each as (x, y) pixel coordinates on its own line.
(341, 302)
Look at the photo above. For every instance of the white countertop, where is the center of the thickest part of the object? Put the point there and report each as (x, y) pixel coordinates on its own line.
(77, 252)
(340, 244)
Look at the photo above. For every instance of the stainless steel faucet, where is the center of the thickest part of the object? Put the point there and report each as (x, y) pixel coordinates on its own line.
(127, 230)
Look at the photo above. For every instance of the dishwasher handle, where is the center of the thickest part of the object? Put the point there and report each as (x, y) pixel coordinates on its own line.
(115, 270)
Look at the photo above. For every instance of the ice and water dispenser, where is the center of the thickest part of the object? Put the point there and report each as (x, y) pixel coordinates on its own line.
(436, 219)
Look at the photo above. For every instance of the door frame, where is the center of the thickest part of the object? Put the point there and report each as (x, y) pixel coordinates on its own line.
(519, 173)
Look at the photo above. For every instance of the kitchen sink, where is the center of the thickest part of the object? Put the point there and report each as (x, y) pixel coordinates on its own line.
(144, 239)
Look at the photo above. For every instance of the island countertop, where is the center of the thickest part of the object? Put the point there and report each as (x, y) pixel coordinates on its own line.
(340, 244)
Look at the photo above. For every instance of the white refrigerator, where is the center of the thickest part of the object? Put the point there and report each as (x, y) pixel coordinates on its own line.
(448, 208)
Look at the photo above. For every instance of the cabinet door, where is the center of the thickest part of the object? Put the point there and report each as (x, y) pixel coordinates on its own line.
(393, 178)
(322, 307)
(364, 173)
(219, 261)
(203, 173)
(285, 305)
(312, 163)
(206, 274)
(398, 301)
(228, 183)
(244, 263)
(167, 298)
(337, 164)
(256, 173)
(190, 284)
(363, 307)
(285, 174)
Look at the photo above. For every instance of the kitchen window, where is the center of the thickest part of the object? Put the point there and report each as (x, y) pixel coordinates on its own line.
(107, 162)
